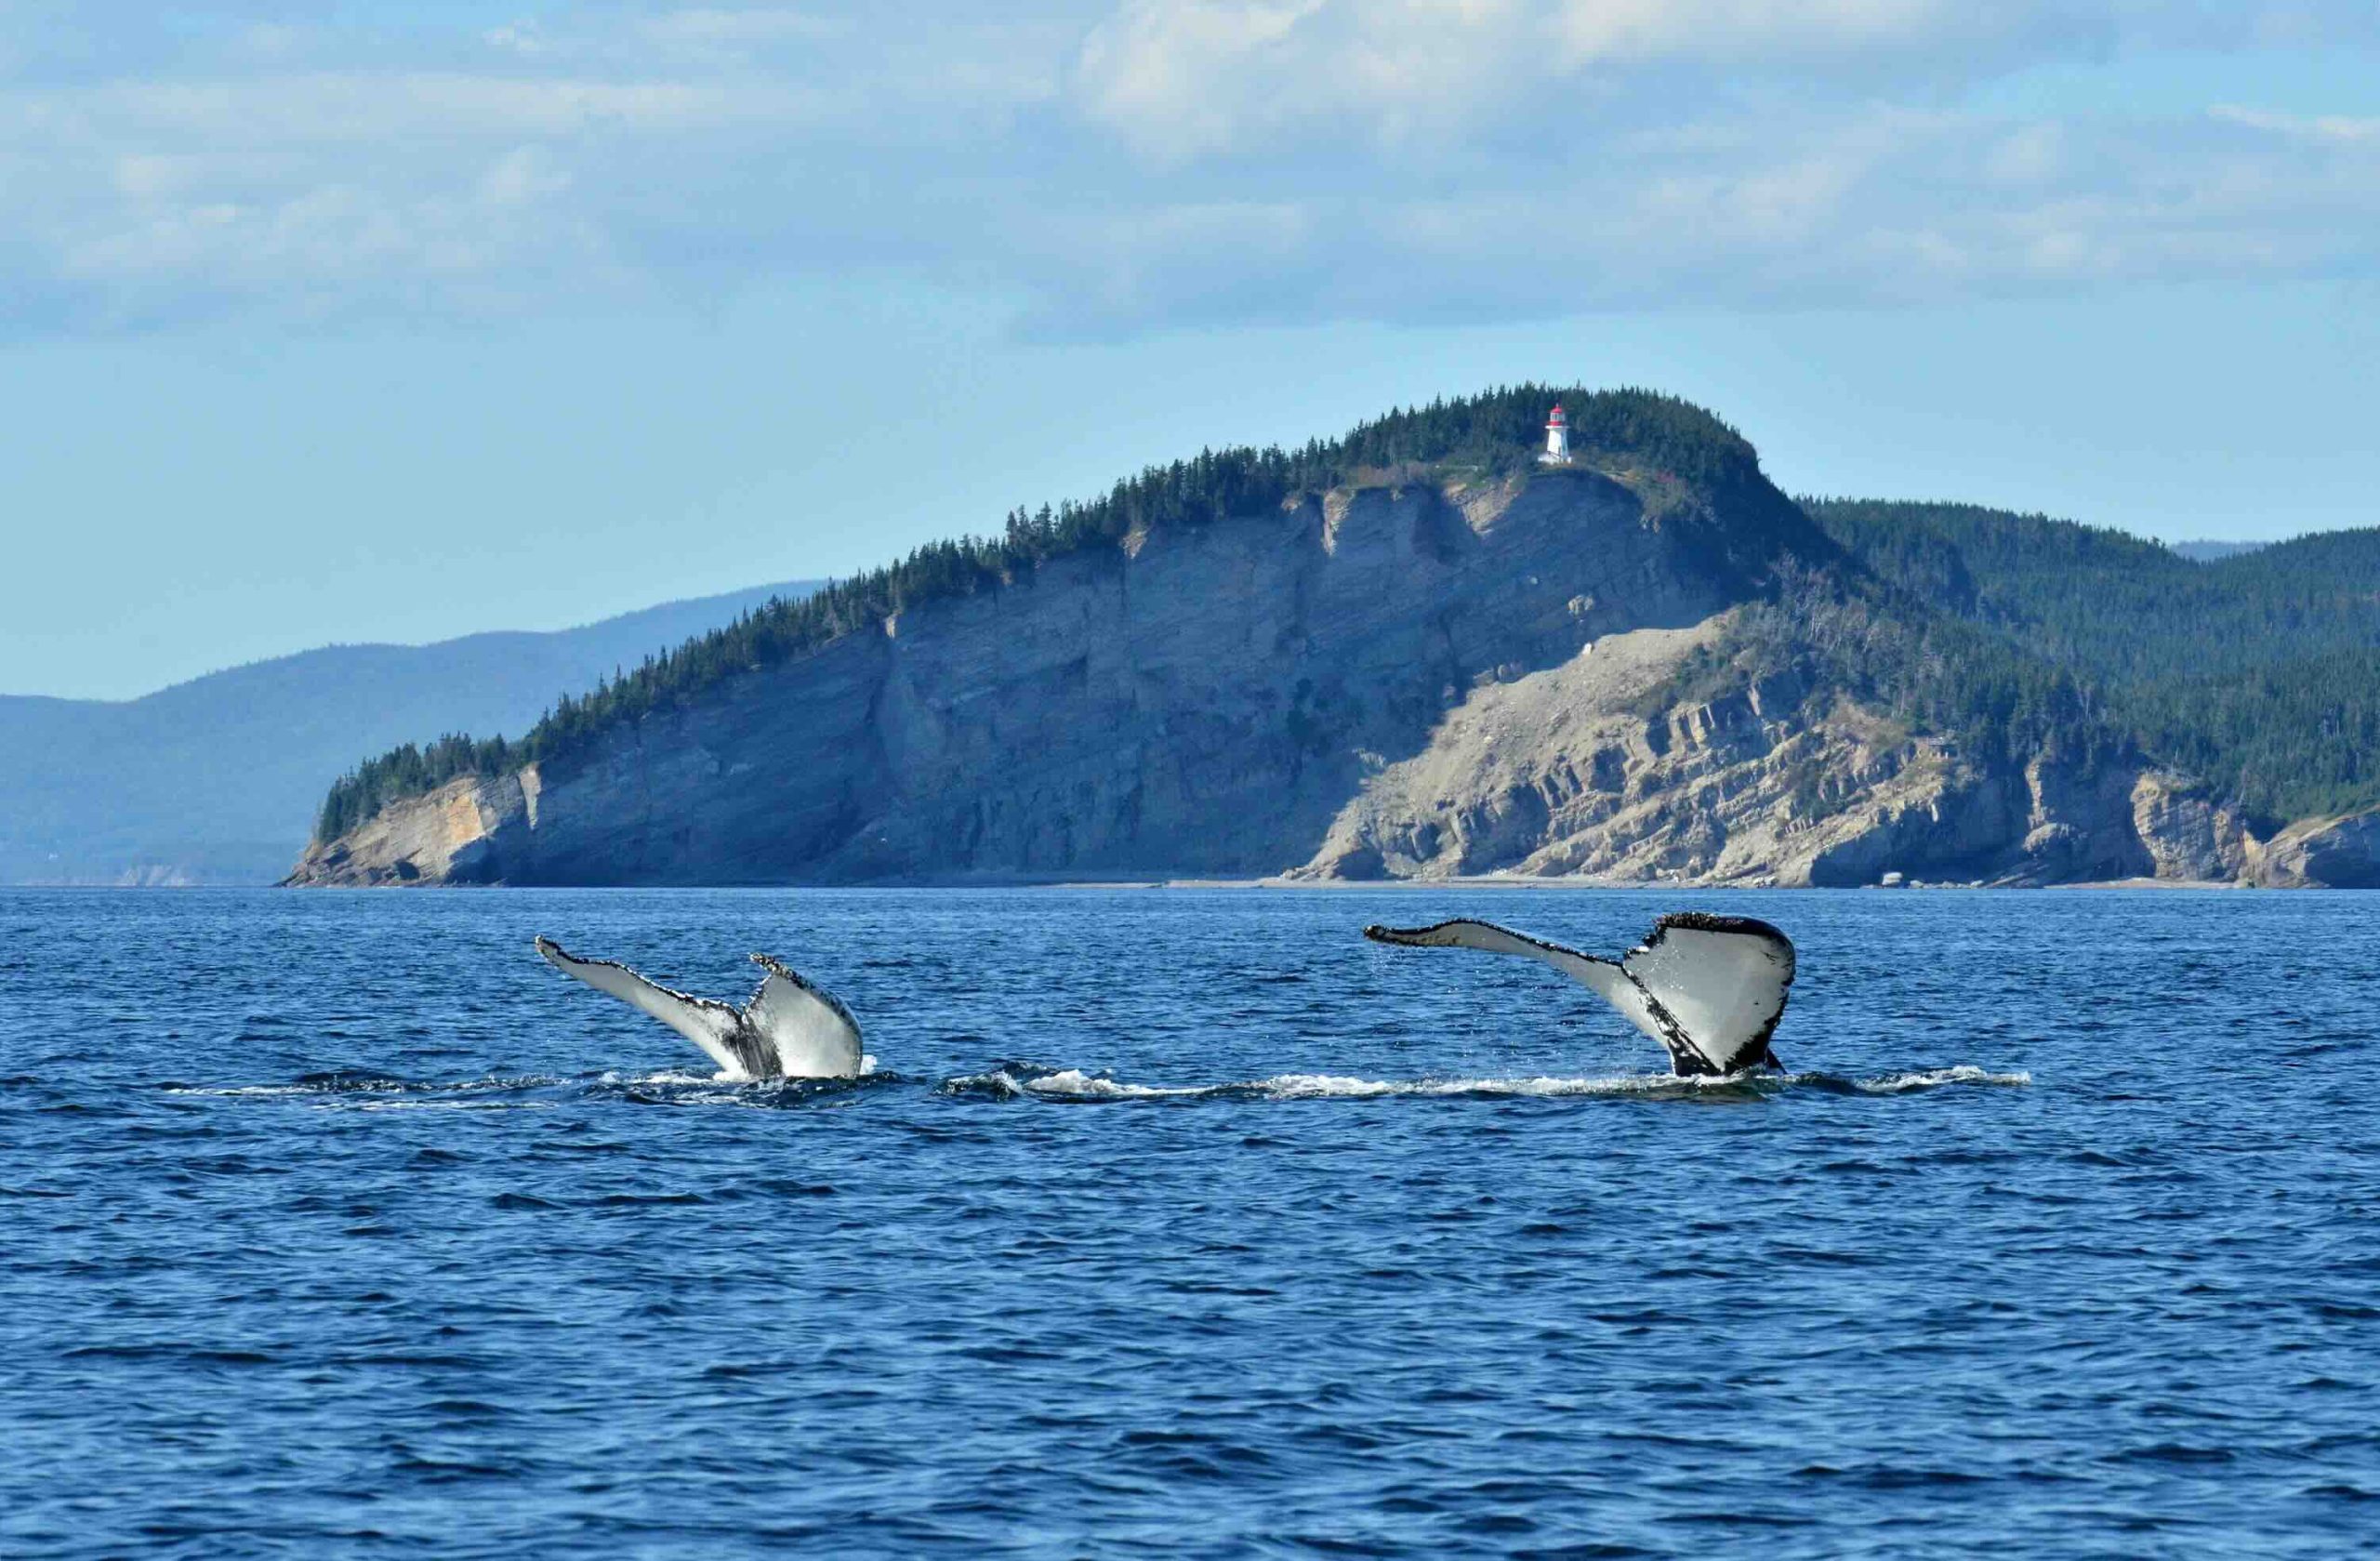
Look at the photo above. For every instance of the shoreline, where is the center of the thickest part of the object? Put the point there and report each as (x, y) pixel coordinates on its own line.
(1492, 881)
(1024, 880)
(1483, 880)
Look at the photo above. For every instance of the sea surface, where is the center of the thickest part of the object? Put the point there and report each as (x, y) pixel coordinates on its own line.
(1186, 1224)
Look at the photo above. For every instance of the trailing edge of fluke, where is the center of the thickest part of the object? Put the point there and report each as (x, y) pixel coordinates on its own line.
(790, 1030)
(1709, 988)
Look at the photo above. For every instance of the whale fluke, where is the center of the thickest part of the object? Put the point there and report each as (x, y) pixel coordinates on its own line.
(790, 1030)
(1709, 988)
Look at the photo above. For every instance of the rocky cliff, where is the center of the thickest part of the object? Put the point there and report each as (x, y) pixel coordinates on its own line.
(1590, 770)
(1197, 700)
(1433, 679)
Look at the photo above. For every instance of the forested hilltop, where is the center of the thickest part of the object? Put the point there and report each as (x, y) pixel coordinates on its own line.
(2259, 672)
(1667, 446)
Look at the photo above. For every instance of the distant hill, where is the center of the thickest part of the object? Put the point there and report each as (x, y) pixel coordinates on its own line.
(2210, 552)
(216, 780)
(2259, 672)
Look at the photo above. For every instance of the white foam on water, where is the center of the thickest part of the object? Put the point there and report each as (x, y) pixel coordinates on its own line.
(1075, 1084)
(371, 1087)
(1964, 1073)
(670, 1077)
(437, 1104)
(1330, 1086)
(1327, 1086)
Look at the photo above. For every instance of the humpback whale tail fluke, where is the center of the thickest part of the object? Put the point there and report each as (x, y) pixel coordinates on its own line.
(1709, 988)
(790, 1030)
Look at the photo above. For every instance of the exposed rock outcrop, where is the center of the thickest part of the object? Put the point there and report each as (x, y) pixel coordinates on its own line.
(447, 836)
(1578, 770)
(2321, 853)
(1201, 700)
(2187, 835)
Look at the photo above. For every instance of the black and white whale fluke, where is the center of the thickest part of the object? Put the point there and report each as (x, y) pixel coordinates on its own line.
(1709, 988)
(790, 1030)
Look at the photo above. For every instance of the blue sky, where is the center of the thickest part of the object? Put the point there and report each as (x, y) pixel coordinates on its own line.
(349, 322)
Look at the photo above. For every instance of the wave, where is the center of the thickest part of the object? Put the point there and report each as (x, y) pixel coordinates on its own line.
(674, 1088)
(1014, 1080)
(1934, 1078)
(344, 1081)
(1008, 1080)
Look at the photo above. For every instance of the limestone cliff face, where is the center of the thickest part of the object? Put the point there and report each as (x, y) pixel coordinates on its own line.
(446, 836)
(1581, 770)
(1422, 681)
(1201, 700)
(2189, 837)
(2324, 852)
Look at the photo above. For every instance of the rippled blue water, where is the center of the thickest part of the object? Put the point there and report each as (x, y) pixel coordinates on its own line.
(339, 1225)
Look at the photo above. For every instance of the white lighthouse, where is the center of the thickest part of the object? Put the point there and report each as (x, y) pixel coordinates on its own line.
(1557, 438)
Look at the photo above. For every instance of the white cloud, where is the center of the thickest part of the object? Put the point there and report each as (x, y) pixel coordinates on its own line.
(324, 109)
(2336, 128)
(1181, 78)
(517, 37)
(711, 27)
(520, 176)
(2026, 154)
(1123, 165)
(1597, 31)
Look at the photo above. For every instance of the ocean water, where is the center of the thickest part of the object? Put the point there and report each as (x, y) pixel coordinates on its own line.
(1185, 1223)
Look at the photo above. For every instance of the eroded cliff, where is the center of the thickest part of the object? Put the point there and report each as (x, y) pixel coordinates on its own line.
(1430, 679)
(1199, 700)
(1590, 769)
